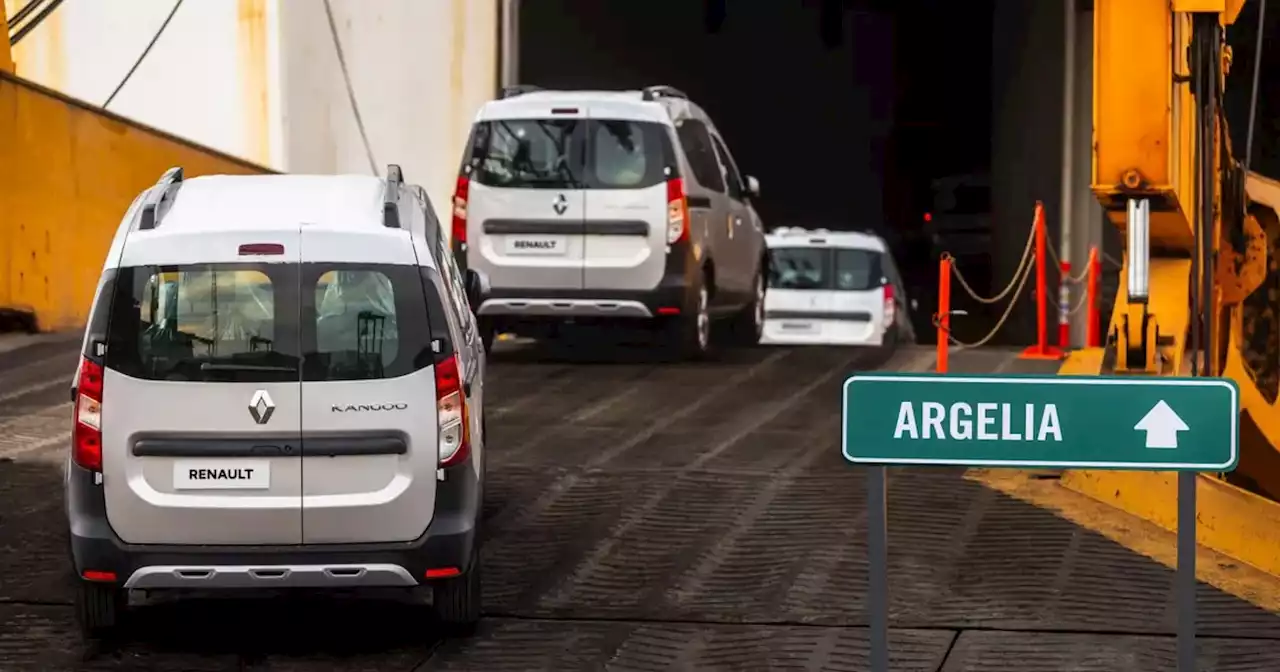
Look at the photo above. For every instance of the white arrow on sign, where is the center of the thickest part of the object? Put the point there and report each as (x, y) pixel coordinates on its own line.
(1162, 426)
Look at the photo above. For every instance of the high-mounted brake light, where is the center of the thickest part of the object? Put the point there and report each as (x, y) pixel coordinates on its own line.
(677, 211)
(451, 413)
(890, 306)
(261, 249)
(86, 445)
(564, 110)
(459, 224)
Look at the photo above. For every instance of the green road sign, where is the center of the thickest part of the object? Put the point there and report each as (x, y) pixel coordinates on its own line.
(1093, 422)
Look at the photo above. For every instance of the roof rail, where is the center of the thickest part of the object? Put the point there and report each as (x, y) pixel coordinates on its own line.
(164, 192)
(662, 91)
(518, 90)
(391, 201)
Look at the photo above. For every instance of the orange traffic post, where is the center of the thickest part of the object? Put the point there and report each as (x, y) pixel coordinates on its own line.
(1042, 349)
(1093, 337)
(943, 318)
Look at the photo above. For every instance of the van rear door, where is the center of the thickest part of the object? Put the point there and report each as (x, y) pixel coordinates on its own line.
(628, 165)
(525, 200)
(369, 405)
(799, 297)
(201, 390)
(859, 296)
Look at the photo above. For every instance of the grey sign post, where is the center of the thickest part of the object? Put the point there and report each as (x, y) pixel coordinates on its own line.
(1038, 422)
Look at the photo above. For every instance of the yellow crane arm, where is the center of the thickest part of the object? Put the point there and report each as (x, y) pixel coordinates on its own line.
(1192, 295)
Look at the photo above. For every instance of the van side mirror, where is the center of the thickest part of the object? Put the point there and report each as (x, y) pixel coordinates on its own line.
(752, 186)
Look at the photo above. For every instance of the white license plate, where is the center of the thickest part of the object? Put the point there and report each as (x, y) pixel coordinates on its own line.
(221, 474)
(799, 327)
(546, 246)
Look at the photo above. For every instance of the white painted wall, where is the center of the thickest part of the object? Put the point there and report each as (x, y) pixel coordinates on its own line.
(420, 70)
(189, 84)
(260, 79)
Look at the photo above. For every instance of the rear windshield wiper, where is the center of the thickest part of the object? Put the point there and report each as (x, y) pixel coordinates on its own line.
(212, 366)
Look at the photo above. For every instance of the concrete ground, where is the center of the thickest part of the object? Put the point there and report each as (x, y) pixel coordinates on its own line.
(645, 516)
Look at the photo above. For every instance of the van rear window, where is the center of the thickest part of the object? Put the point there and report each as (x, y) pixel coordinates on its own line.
(570, 154)
(845, 269)
(266, 322)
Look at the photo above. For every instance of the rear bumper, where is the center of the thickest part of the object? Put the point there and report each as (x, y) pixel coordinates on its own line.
(447, 543)
(673, 291)
(823, 332)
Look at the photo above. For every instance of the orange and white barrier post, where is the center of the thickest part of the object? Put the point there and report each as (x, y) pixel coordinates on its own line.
(1042, 349)
(943, 318)
(1064, 306)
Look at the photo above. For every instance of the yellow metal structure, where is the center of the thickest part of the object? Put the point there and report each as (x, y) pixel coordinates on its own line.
(68, 172)
(6, 52)
(1155, 139)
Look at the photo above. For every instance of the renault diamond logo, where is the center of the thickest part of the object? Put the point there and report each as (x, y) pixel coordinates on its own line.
(261, 407)
(560, 205)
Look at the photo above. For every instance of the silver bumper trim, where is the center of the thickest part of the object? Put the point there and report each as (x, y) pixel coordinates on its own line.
(563, 308)
(269, 576)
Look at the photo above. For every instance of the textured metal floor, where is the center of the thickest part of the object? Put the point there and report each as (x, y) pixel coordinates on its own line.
(657, 517)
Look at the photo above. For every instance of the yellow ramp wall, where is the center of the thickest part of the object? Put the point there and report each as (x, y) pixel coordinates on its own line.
(68, 172)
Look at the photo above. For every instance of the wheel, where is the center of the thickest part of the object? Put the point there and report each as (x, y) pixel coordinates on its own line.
(888, 345)
(457, 601)
(689, 336)
(487, 333)
(100, 609)
(747, 327)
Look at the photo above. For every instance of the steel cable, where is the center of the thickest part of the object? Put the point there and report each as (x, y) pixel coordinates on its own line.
(1057, 262)
(141, 57)
(21, 15)
(351, 92)
(34, 22)
(1022, 265)
(1022, 282)
(1080, 301)
(1253, 94)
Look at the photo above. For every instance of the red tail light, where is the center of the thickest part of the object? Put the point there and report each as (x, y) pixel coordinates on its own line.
(460, 194)
(451, 412)
(890, 306)
(86, 449)
(677, 211)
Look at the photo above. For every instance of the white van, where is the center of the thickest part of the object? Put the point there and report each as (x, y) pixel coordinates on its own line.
(830, 288)
(281, 387)
(610, 207)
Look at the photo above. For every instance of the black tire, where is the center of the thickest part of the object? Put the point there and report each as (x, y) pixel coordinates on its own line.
(747, 327)
(688, 337)
(100, 609)
(888, 346)
(487, 333)
(458, 601)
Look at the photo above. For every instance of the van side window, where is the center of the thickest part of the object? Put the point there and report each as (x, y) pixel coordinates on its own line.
(456, 291)
(891, 272)
(100, 316)
(696, 142)
(732, 179)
